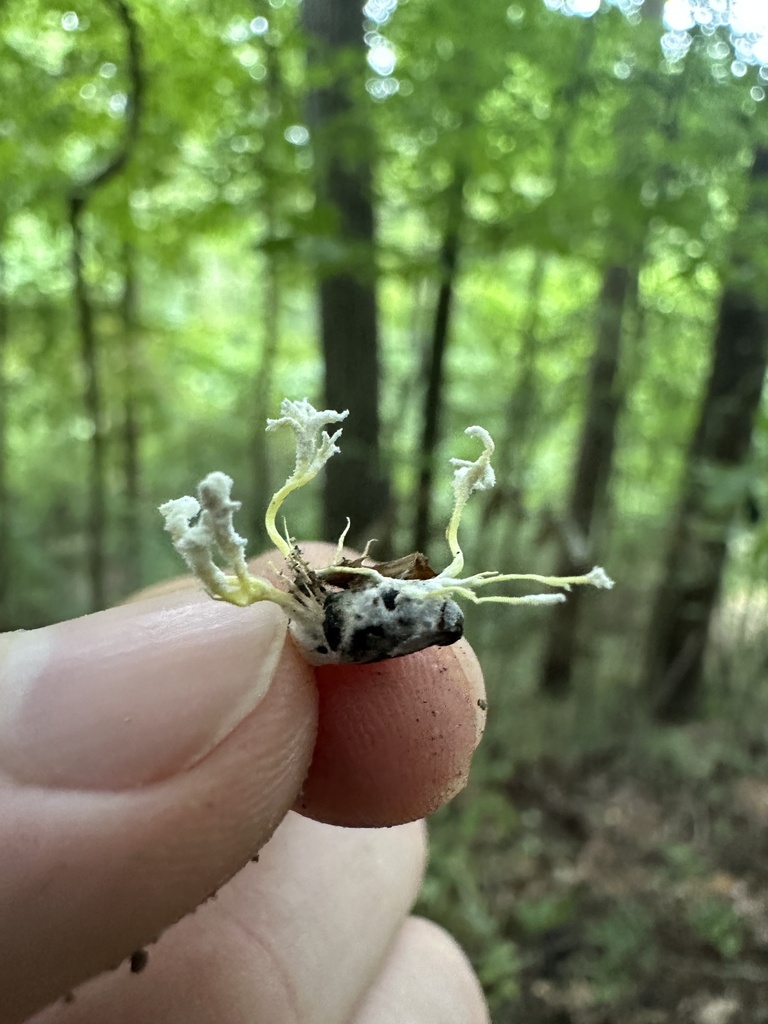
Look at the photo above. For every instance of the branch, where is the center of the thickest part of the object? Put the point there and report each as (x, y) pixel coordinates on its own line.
(81, 192)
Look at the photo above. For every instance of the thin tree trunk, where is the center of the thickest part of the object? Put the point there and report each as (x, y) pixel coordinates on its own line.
(514, 451)
(406, 390)
(262, 396)
(355, 484)
(93, 403)
(407, 384)
(433, 397)
(5, 502)
(593, 464)
(715, 483)
(607, 390)
(78, 200)
(132, 492)
(271, 292)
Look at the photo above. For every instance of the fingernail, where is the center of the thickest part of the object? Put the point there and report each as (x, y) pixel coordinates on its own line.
(132, 695)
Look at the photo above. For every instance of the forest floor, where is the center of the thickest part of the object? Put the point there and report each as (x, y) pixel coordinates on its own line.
(634, 891)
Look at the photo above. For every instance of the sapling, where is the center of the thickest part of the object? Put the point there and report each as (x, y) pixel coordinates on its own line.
(353, 610)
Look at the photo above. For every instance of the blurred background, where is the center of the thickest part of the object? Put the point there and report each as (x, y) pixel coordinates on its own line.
(549, 217)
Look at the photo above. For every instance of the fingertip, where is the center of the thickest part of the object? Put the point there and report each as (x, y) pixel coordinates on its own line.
(395, 738)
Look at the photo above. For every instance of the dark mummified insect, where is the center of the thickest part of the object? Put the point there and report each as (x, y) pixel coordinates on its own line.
(377, 615)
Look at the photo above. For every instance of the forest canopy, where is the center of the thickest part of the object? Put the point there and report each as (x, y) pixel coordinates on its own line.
(177, 138)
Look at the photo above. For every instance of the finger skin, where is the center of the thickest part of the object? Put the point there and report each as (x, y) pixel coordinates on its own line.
(87, 877)
(395, 740)
(426, 979)
(297, 938)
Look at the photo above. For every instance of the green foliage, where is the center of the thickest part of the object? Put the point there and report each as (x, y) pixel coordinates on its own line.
(624, 947)
(716, 923)
(458, 897)
(543, 915)
(578, 146)
(566, 160)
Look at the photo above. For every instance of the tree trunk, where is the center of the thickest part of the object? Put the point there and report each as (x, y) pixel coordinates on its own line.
(80, 195)
(355, 485)
(607, 390)
(5, 502)
(265, 370)
(520, 420)
(716, 479)
(93, 403)
(131, 446)
(433, 396)
(593, 464)
(262, 396)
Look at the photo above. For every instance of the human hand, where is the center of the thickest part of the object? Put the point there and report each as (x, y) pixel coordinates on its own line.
(148, 752)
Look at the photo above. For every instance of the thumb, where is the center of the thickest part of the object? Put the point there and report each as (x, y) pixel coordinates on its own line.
(146, 753)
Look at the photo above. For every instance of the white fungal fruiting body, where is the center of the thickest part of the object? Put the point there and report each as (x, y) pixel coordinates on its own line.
(348, 611)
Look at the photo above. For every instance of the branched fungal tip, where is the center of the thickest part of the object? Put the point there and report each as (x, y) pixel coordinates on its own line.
(468, 477)
(347, 611)
(314, 447)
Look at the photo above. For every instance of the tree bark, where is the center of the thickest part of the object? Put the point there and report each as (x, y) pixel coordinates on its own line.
(79, 197)
(5, 502)
(355, 484)
(523, 405)
(606, 396)
(433, 394)
(265, 370)
(262, 395)
(93, 403)
(593, 465)
(132, 491)
(715, 482)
